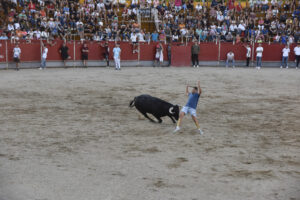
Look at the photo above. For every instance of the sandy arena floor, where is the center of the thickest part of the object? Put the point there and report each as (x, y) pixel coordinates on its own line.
(68, 134)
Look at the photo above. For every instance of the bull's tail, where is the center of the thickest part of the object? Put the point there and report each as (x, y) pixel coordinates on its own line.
(132, 103)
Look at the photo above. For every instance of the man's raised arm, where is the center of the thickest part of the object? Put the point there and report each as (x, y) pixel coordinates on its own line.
(199, 88)
(187, 90)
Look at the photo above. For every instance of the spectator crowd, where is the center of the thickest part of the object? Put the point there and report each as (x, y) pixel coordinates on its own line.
(174, 20)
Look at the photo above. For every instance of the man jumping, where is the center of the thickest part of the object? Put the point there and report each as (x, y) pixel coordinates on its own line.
(190, 107)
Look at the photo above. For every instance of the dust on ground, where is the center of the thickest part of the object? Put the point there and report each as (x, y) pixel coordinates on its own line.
(69, 134)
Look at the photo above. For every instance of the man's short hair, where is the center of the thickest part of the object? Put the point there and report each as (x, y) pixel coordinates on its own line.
(196, 88)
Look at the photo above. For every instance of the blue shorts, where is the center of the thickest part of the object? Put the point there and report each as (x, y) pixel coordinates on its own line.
(188, 110)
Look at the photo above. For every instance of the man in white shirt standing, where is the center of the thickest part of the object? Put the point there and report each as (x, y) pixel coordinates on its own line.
(230, 58)
(134, 41)
(297, 54)
(44, 56)
(259, 51)
(285, 56)
(17, 55)
(117, 56)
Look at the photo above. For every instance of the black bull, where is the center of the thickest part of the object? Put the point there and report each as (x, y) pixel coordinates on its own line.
(155, 106)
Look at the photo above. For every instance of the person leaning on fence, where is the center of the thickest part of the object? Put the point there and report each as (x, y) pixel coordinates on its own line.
(64, 52)
(259, 51)
(169, 54)
(159, 55)
(297, 54)
(230, 58)
(134, 41)
(248, 54)
(106, 53)
(44, 56)
(195, 53)
(17, 55)
(85, 54)
(285, 56)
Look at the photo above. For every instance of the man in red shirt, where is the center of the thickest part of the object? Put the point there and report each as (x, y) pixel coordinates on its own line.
(31, 7)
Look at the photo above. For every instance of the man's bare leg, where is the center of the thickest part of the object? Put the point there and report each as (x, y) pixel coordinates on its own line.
(197, 124)
(181, 116)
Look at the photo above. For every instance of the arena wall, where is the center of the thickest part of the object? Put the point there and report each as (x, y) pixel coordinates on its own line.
(210, 53)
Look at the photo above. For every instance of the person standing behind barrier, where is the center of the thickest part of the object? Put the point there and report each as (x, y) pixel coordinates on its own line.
(134, 41)
(64, 53)
(159, 55)
(285, 56)
(106, 53)
(169, 53)
(230, 58)
(117, 56)
(248, 54)
(297, 54)
(44, 56)
(85, 54)
(17, 56)
(259, 51)
(195, 52)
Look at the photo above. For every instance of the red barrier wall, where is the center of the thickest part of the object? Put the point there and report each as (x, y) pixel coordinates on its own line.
(147, 51)
(208, 52)
(29, 52)
(2, 51)
(238, 49)
(53, 51)
(181, 53)
(273, 52)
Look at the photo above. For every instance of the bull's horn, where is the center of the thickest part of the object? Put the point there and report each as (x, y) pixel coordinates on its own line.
(171, 110)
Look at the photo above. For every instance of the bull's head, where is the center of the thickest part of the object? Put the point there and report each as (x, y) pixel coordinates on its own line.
(174, 111)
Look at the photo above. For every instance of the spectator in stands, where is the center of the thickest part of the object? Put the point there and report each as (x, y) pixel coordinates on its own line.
(99, 20)
(64, 52)
(17, 55)
(285, 56)
(85, 54)
(3, 37)
(230, 58)
(259, 51)
(44, 56)
(195, 53)
(117, 56)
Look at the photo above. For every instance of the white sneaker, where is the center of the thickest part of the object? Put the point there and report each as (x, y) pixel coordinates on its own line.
(258, 67)
(194, 66)
(197, 66)
(40, 68)
(280, 67)
(287, 67)
(176, 129)
(200, 131)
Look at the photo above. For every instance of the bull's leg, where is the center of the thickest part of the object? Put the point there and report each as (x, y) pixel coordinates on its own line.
(173, 120)
(145, 114)
(158, 118)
